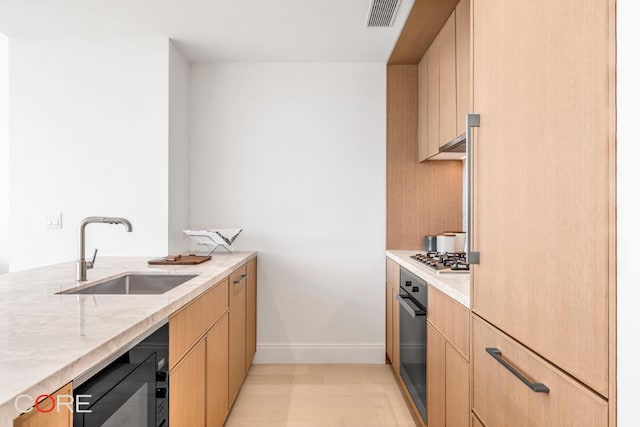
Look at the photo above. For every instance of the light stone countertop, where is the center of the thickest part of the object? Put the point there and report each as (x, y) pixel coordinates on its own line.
(456, 286)
(47, 340)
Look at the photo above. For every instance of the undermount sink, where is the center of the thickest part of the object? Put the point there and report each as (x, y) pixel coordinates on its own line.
(134, 284)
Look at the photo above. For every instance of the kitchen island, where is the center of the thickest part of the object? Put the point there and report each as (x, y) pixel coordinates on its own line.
(48, 339)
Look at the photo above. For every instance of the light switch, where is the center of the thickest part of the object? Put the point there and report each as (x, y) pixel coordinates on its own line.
(53, 220)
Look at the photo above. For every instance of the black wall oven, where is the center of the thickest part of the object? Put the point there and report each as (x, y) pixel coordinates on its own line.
(131, 390)
(413, 337)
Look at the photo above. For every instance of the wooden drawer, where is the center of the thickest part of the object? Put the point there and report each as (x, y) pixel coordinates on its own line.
(393, 274)
(450, 318)
(191, 322)
(55, 417)
(501, 399)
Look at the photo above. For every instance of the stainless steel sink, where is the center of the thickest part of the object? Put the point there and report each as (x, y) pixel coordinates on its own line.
(134, 284)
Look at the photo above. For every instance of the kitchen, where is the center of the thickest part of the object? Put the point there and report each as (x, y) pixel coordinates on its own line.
(290, 141)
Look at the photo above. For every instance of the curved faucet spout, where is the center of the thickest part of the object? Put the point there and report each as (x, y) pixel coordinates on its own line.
(82, 264)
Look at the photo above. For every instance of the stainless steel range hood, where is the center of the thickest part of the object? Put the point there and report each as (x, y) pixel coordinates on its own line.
(455, 149)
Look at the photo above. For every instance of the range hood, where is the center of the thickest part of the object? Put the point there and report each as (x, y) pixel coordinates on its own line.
(455, 149)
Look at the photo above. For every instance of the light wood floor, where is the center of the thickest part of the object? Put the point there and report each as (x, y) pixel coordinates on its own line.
(320, 396)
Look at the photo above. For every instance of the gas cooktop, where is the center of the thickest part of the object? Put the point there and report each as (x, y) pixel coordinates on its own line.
(443, 263)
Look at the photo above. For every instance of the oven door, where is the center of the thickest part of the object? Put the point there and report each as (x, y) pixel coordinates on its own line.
(413, 349)
(124, 394)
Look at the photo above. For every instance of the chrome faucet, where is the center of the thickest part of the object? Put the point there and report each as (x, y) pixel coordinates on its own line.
(82, 264)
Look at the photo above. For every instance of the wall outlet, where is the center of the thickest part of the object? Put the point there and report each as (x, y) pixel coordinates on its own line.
(53, 220)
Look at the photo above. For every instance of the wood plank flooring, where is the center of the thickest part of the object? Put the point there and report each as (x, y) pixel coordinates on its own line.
(320, 396)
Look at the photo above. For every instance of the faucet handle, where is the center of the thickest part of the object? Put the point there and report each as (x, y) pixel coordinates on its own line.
(93, 260)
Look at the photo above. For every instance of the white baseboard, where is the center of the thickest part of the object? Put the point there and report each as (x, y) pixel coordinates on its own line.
(320, 353)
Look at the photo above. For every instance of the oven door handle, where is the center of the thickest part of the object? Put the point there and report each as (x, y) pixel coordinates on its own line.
(407, 303)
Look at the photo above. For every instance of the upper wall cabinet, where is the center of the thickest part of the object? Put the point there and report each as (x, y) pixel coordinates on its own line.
(443, 86)
(447, 92)
(463, 64)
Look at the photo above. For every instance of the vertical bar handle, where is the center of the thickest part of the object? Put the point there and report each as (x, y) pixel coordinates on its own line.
(473, 121)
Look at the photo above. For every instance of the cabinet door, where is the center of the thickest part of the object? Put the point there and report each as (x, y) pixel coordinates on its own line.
(433, 98)
(187, 390)
(191, 322)
(389, 320)
(447, 52)
(436, 382)
(58, 417)
(217, 373)
(542, 191)
(252, 277)
(502, 400)
(237, 331)
(475, 422)
(393, 277)
(423, 116)
(457, 389)
(463, 64)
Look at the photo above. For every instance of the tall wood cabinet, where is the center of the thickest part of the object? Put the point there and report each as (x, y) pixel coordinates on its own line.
(544, 86)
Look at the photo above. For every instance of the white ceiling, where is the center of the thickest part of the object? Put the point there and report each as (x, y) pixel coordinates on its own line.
(215, 30)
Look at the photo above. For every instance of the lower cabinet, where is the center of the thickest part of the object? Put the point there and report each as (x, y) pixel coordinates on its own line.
(457, 405)
(57, 417)
(237, 331)
(214, 343)
(187, 389)
(393, 315)
(500, 398)
(251, 314)
(217, 373)
(447, 383)
(436, 378)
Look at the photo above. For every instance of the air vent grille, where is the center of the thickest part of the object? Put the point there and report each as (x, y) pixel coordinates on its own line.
(382, 12)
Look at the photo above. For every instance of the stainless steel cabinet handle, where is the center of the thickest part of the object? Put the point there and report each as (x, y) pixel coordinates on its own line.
(406, 303)
(240, 280)
(473, 121)
(537, 387)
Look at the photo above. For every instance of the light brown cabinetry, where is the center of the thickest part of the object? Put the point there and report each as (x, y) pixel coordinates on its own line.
(443, 84)
(423, 116)
(475, 422)
(463, 64)
(191, 322)
(450, 318)
(457, 389)
(57, 417)
(251, 311)
(217, 373)
(502, 399)
(187, 391)
(544, 193)
(393, 315)
(447, 86)
(433, 98)
(198, 356)
(448, 390)
(436, 378)
(237, 331)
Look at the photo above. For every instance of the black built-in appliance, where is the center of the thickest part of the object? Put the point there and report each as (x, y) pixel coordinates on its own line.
(412, 297)
(132, 390)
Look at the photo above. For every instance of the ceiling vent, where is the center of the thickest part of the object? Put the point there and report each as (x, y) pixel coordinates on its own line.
(382, 12)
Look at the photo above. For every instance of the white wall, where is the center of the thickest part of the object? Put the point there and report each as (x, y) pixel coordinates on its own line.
(178, 151)
(295, 155)
(88, 136)
(4, 154)
(628, 213)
